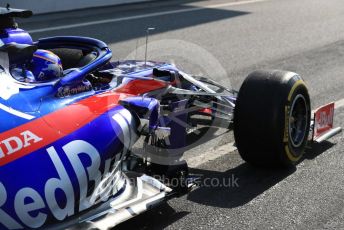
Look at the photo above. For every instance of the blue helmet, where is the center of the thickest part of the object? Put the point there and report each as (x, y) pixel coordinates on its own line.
(46, 65)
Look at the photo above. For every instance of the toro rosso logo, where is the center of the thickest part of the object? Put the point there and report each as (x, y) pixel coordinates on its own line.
(16, 143)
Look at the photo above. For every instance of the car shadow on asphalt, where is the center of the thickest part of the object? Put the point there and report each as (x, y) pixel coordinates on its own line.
(157, 218)
(252, 182)
(316, 149)
(242, 184)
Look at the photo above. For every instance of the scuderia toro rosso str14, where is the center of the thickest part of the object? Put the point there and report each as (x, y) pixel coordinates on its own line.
(69, 118)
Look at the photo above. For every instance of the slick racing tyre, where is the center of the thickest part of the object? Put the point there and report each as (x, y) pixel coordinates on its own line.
(272, 118)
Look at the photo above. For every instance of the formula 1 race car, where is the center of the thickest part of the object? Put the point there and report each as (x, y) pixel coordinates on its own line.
(66, 159)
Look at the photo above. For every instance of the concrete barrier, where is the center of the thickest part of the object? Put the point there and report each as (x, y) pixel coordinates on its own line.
(48, 6)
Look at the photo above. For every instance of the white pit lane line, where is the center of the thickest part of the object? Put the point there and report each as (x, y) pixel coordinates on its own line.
(226, 149)
(77, 25)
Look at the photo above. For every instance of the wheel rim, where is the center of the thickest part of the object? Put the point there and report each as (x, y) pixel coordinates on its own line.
(298, 121)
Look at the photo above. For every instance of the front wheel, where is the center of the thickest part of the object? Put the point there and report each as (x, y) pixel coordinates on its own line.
(272, 118)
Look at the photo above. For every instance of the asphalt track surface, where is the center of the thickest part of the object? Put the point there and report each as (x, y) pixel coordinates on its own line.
(226, 40)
